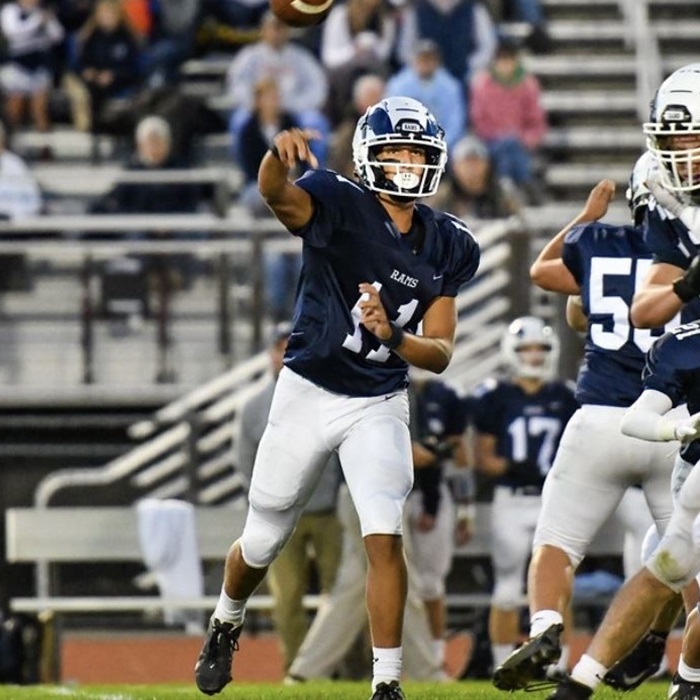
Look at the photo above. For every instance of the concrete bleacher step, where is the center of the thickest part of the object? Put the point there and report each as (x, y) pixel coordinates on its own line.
(584, 65)
(593, 139)
(585, 175)
(581, 102)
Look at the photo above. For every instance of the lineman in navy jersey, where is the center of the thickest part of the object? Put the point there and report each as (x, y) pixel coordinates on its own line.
(671, 377)
(671, 230)
(375, 265)
(595, 465)
(518, 425)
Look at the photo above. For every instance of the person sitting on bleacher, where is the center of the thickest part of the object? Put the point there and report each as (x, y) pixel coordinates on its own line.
(265, 121)
(107, 64)
(302, 82)
(153, 155)
(30, 32)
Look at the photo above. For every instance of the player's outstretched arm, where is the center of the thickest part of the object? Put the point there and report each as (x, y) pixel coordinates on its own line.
(432, 350)
(656, 302)
(549, 271)
(292, 205)
(645, 419)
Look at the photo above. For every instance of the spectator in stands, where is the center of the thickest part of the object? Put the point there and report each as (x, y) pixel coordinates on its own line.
(429, 82)
(31, 33)
(107, 65)
(238, 14)
(471, 189)
(20, 195)
(317, 539)
(267, 119)
(302, 82)
(154, 155)
(530, 12)
(463, 29)
(367, 90)
(357, 38)
(174, 25)
(507, 113)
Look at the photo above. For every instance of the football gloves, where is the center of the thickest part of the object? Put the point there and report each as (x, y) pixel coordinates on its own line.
(688, 430)
(687, 287)
(687, 213)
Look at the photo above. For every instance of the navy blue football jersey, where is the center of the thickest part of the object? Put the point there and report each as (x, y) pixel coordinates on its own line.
(673, 368)
(527, 427)
(349, 240)
(610, 263)
(437, 411)
(670, 241)
(668, 237)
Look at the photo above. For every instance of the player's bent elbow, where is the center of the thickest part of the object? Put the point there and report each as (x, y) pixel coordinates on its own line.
(642, 316)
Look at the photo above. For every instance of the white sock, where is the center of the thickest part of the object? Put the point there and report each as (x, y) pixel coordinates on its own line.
(543, 619)
(688, 673)
(563, 662)
(588, 671)
(230, 610)
(500, 653)
(386, 665)
(439, 651)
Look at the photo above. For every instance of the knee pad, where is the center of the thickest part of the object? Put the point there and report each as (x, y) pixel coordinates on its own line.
(674, 560)
(264, 535)
(649, 543)
(507, 592)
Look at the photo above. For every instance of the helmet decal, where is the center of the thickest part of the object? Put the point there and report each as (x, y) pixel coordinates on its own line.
(399, 121)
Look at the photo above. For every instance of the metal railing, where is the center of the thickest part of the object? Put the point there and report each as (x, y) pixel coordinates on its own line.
(186, 448)
(648, 64)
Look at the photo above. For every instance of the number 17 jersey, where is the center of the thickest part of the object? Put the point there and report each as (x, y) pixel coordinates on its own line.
(351, 239)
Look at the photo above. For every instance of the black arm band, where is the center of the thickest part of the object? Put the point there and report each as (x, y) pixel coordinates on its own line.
(274, 151)
(396, 337)
(683, 290)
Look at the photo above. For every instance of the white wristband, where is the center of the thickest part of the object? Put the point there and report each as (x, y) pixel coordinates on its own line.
(466, 511)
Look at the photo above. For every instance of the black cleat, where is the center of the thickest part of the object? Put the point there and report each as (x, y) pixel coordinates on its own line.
(213, 668)
(529, 662)
(641, 663)
(570, 690)
(681, 689)
(388, 691)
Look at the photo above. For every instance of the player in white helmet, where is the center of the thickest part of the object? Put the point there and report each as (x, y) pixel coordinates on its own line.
(596, 464)
(518, 422)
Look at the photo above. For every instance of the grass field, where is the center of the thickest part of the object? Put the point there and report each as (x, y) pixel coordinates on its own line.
(464, 690)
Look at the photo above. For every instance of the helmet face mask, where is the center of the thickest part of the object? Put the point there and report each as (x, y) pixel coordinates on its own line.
(399, 123)
(530, 349)
(637, 193)
(673, 131)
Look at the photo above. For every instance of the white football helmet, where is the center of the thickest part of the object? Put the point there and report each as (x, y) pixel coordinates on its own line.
(399, 121)
(536, 364)
(637, 192)
(675, 111)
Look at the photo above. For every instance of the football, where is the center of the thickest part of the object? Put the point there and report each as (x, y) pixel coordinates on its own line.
(301, 13)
